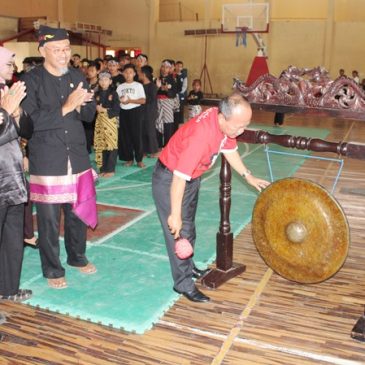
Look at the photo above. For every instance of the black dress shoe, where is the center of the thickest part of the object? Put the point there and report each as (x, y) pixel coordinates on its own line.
(197, 273)
(195, 295)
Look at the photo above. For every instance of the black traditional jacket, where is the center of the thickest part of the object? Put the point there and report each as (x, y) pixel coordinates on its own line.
(108, 99)
(56, 138)
(12, 180)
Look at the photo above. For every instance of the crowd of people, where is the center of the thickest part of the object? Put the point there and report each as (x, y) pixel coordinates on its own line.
(123, 111)
(141, 111)
(147, 109)
(354, 76)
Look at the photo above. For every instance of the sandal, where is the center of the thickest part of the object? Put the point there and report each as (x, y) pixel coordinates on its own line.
(58, 283)
(23, 294)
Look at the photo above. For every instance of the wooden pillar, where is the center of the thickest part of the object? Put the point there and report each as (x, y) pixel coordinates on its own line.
(60, 12)
(329, 37)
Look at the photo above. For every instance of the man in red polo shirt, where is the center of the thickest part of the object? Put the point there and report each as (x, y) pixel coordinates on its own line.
(191, 151)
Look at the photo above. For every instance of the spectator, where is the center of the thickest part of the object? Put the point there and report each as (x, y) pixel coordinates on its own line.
(166, 94)
(76, 60)
(57, 101)
(106, 126)
(13, 192)
(194, 98)
(149, 112)
(341, 73)
(132, 96)
(355, 76)
(182, 76)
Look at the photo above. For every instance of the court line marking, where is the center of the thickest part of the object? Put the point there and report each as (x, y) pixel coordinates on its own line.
(120, 229)
(235, 330)
(139, 252)
(122, 187)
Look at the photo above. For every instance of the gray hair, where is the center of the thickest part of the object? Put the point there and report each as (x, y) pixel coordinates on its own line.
(227, 105)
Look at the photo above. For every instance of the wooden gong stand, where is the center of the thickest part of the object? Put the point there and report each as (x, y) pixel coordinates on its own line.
(226, 269)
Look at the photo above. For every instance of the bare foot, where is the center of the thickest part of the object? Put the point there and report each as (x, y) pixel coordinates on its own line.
(128, 163)
(88, 269)
(141, 165)
(109, 174)
(31, 241)
(155, 155)
(59, 283)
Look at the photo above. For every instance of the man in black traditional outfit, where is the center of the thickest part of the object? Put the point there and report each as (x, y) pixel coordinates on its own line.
(58, 100)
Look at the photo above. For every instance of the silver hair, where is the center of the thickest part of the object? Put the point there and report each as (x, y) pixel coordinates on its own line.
(227, 105)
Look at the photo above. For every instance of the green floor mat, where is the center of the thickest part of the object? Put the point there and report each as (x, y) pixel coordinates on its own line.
(133, 286)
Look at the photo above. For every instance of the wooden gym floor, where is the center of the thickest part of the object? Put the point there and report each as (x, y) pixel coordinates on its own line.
(256, 318)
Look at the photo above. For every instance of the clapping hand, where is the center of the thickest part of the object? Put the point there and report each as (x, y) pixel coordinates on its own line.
(88, 97)
(11, 98)
(77, 98)
(100, 108)
(124, 99)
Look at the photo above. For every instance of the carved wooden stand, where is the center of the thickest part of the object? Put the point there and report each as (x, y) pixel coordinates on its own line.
(225, 269)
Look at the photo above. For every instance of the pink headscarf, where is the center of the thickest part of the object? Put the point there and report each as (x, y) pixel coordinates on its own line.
(5, 57)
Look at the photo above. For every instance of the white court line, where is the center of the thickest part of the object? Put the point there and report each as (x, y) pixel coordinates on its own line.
(157, 256)
(264, 345)
(32, 280)
(123, 187)
(121, 206)
(120, 229)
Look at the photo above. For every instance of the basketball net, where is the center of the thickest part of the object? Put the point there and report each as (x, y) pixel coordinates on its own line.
(241, 37)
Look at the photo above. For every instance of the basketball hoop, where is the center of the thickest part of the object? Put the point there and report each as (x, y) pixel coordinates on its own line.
(241, 36)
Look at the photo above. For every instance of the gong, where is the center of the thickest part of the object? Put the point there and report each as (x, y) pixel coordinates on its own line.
(300, 230)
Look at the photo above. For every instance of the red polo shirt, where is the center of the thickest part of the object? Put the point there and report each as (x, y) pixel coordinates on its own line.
(195, 146)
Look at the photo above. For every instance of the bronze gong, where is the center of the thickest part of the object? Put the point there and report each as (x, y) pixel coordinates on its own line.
(300, 230)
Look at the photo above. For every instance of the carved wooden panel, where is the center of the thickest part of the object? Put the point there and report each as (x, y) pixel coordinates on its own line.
(304, 87)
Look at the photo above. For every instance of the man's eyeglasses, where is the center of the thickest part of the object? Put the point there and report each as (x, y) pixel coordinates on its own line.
(58, 51)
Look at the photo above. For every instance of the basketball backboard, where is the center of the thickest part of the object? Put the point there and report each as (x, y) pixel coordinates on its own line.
(250, 17)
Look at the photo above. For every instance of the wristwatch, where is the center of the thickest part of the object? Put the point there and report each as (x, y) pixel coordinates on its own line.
(246, 173)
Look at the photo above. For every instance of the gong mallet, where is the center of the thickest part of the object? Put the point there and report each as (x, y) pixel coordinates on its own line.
(183, 248)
